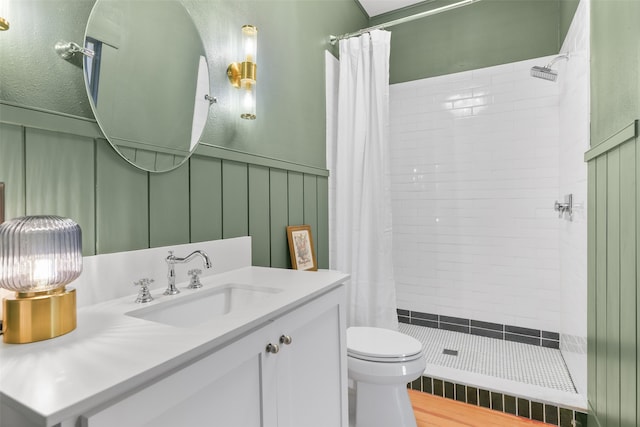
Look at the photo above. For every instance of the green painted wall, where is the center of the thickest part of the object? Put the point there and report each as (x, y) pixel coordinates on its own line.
(483, 34)
(293, 35)
(54, 159)
(123, 208)
(567, 10)
(614, 215)
(63, 165)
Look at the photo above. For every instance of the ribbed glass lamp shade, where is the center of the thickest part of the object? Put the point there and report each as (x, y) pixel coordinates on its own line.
(39, 253)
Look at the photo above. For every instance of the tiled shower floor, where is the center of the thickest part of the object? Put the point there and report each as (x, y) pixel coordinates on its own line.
(523, 370)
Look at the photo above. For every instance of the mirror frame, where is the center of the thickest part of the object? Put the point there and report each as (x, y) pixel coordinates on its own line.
(155, 158)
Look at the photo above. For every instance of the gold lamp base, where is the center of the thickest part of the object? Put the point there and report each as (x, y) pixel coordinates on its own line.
(38, 316)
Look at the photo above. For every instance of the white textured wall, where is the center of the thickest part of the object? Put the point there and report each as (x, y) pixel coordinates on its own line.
(574, 141)
(475, 172)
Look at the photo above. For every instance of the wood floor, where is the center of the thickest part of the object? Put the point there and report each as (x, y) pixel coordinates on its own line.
(435, 411)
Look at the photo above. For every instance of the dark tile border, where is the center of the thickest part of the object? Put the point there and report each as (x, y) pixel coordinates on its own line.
(454, 328)
(480, 328)
(455, 320)
(522, 339)
(536, 333)
(554, 415)
(499, 335)
(487, 325)
(551, 335)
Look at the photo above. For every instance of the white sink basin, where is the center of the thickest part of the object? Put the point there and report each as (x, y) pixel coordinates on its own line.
(204, 305)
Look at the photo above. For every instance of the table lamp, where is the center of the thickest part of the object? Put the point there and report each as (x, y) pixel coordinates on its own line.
(39, 256)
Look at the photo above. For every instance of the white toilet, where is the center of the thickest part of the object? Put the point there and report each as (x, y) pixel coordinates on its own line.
(380, 363)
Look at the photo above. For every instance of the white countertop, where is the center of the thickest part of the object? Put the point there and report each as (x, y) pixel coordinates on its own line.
(110, 353)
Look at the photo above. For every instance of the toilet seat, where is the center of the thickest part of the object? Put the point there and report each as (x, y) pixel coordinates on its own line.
(381, 345)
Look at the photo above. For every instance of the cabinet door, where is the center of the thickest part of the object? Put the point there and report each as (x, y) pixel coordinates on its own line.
(221, 389)
(311, 370)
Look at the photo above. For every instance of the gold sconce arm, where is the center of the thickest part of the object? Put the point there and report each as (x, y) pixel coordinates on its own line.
(237, 72)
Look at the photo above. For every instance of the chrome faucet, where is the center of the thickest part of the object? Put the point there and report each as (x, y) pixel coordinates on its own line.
(172, 260)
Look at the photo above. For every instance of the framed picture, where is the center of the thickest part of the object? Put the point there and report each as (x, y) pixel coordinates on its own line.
(303, 255)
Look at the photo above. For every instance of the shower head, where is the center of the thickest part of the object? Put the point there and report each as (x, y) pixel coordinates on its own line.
(546, 73)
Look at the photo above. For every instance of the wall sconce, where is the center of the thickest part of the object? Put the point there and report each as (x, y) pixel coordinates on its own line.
(243, 75)
(39, 256)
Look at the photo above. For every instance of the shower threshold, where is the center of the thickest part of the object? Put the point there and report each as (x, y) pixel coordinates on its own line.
(523, 371)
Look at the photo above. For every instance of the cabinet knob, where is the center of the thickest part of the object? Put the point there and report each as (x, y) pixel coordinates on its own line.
(285, 339)
(273, 348)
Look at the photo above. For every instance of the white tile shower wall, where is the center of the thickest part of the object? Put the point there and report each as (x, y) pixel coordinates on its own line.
(474, 165)
(573, 78)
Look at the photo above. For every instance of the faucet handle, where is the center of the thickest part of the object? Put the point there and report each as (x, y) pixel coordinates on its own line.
(144, 295)
(194, 283)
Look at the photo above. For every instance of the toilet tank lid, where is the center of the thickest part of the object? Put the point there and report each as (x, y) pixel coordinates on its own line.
(379, 342)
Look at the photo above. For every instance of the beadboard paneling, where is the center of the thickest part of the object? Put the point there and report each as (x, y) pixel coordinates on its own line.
(169, 208)
(311, 206)
(613, 328)
(59, 175)
(279, 207)
(296, 197)
(259, 227)
(235, 199)
(322, 238)
(12, 169)
(206, 198)
(122, 203)
(59, 166)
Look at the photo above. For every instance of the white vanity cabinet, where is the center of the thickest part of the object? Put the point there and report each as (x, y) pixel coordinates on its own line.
(221, 389)
(308, 375)
(300, 381)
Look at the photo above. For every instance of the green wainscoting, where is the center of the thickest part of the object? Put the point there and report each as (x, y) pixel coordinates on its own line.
(58, 164)
(613, 297)
(614, 216)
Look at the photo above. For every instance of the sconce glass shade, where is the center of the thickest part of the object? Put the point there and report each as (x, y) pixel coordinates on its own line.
(243, 75)
(248, 102)
(250, 43)
(39, 253)
(250, 47)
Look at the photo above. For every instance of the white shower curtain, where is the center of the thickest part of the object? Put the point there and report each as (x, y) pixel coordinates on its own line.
(361, 205)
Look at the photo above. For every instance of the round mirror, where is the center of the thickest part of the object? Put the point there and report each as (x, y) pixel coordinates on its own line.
(148, 80)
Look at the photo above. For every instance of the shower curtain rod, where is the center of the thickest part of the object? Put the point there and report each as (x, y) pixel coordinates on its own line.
(334, 39)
